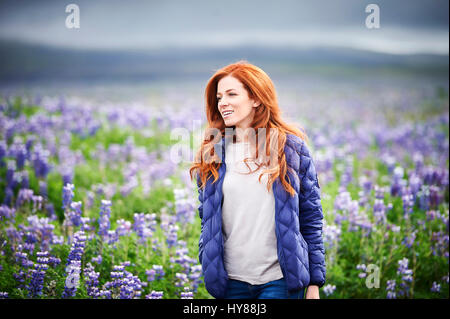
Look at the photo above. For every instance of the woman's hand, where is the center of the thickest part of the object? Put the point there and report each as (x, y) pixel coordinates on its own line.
(312, 292)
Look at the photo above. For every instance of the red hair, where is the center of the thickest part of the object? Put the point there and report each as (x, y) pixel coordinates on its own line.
(259, 86)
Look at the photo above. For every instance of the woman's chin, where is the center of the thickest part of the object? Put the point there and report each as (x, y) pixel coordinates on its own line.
(229, 123)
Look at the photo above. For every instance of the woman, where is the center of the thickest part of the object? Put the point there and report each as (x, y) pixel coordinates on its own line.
(261, 232)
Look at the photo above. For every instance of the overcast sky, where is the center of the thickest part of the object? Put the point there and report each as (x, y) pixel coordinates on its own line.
(407, 26)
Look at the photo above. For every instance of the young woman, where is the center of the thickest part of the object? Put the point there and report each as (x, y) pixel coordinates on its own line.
(260, 209)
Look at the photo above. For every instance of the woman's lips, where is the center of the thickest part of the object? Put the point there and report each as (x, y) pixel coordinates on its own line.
(227, 114)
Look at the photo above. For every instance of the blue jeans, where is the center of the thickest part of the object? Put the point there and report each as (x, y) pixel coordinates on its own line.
(276, 289)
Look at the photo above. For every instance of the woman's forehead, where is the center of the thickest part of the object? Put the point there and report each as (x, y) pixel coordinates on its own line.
(228, 83)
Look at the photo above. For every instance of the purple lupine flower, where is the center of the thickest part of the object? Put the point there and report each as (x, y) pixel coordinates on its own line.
(182, 258)
(4, 295)
(37, 203)
(436, 198)
(347, 174)
(53, 261)
(408, 241)
(90, 199)
(57, 240)
(25, 263)
(75, 213)
(116, 276)
(182, 279)
(439, 243)
(6, 212)
(156, 245)
(112, 237)
(406, 277)
(195, 276)
(73, 271)
(123, 227)
(187, 294)
(39, 159)
(25, 180)
(329, 289)
(97, 260)
(86, 224)
(29, 144)
(132, 288)
(11, 168)
(363, 268)
(418, 161)
(124, 284)
(436, 287)
(39, 229)
(155, 295)
(50, 211)
(389, 161)
(397, 182)
(104, 219)
(24, 196)
(331, 235)
(38, 274)
(67, 175)
(150, 274)
(342, 201)
(9, 193)
(363, 200)
(159, 271)
(408, 202)
(91, 281)
(68, 195)
(73, 265)
(424, 197)
(172, 235)
(144, 226)
(380, 191)
(132, 183)
(3, 151)
(365, 183)
(379, 211)
(105, 294)
(432, 215)
(391, 286)
(415, 183)
(184, 207)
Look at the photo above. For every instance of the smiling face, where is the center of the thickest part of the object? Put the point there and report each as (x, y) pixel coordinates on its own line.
(234, 104)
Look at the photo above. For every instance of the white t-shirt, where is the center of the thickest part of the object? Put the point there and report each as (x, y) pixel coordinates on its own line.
(248, 219)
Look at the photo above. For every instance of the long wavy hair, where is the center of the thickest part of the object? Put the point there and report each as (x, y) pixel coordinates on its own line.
(259, 86)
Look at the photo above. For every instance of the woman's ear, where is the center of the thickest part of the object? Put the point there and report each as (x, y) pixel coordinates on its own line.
(256, 103)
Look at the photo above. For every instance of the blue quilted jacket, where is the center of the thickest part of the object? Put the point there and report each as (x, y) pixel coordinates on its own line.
(298, 224)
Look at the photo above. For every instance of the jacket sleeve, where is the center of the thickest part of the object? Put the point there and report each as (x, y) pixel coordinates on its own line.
(200, 213)
(311, 216)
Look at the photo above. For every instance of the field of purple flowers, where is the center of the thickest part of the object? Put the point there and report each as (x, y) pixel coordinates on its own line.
(93, 206)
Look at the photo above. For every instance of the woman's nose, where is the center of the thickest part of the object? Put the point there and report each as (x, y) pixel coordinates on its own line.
(222, 102)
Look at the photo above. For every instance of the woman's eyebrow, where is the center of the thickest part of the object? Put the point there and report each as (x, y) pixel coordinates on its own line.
(226, 91)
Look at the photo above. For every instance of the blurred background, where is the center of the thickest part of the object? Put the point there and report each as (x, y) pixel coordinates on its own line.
(126, 48)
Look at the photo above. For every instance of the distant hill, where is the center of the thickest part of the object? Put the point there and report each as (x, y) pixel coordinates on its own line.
(21, 62)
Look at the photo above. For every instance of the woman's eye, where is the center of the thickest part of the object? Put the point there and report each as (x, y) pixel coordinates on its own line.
(218, 97)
